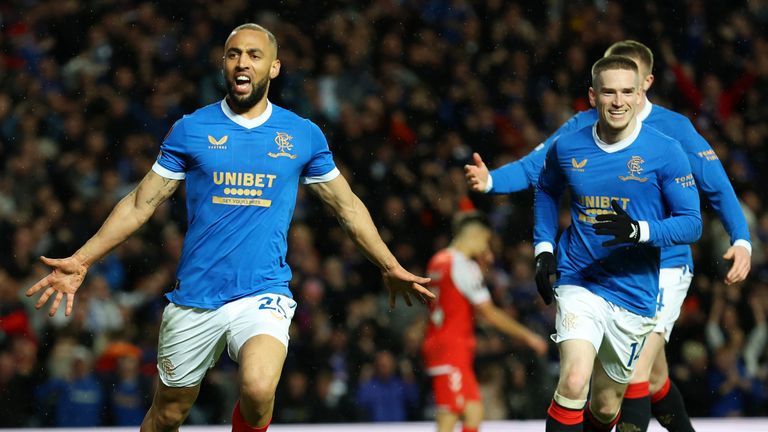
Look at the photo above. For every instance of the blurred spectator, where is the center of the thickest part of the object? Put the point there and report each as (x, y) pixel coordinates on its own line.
(491, 380)
(729, 384)
(19, 377)
(77, 399)
(128, 394)
(710, 102)
(691, 378)
(330, 401)
(383, 395)
(732, 381)
(293, 405)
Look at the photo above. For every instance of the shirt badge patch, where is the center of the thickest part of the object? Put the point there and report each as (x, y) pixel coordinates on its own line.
(284, 144)
(635, 167)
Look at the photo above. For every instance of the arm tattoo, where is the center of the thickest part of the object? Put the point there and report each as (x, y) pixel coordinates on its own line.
(167, 189)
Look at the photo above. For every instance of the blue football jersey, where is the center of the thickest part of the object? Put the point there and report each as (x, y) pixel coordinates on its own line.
(710, 176)
(242, 176)
(649, 175)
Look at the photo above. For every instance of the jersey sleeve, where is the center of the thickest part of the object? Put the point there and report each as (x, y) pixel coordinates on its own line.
(172, 161)
(468, 278)
(546, 199)
(524, 173)
(683, 225)
(713, 181)
(520, 174)
(321, 167)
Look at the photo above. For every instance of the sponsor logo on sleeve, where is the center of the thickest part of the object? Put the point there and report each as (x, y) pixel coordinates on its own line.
(686, 181)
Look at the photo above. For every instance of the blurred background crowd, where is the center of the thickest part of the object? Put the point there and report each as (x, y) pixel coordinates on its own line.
(405, 90)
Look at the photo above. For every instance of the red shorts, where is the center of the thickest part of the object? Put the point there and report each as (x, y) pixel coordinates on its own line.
(454, 389)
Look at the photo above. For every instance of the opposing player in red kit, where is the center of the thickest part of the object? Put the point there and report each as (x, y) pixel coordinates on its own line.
(449, 347)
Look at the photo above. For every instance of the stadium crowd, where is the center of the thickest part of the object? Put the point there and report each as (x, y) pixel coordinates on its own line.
(405, 91)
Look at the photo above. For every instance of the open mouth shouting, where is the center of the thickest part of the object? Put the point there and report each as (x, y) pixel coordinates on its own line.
(243, 84)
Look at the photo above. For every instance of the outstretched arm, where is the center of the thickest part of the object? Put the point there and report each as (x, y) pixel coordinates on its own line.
(357, 223)
(127, 216)
(523, 173)
(511, 327)
(513, 177)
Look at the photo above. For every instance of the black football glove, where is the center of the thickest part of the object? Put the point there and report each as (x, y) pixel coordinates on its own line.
(621, 226)
(546, 266)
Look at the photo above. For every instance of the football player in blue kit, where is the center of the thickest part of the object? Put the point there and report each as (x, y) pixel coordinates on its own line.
(242, 160)
(650, 390)
(633, 184)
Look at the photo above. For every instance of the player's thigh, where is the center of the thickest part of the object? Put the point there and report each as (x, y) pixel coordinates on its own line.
(625, 338)
(577, 358)
(190, 342)
(606, 392)
(258, 339)
(673, 287)
(261, 364)
(654, 347)
(659, 372)
(580, 325)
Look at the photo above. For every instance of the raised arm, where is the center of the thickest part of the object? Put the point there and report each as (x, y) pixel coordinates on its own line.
(127, 216)
(357, 223)
(523, 173)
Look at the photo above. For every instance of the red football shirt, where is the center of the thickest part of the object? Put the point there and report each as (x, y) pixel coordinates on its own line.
(457, 282)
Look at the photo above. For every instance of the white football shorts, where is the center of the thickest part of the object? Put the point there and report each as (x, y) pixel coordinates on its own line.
(192, 339)
(673, 287)
(617, 334)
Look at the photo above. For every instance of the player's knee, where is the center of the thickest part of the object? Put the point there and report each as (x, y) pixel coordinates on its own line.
(169, 417)
(605, 412)
(258, 392)
(574, 385)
